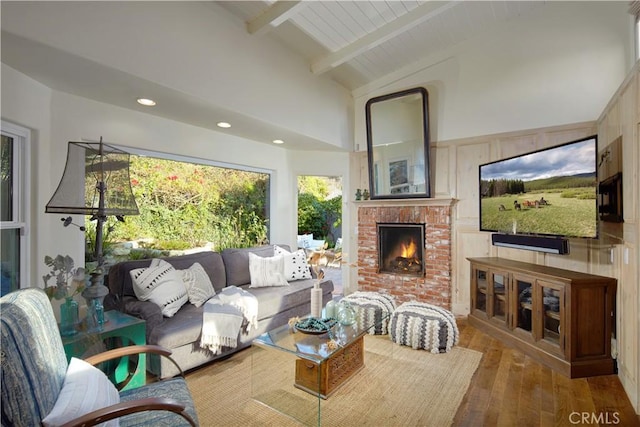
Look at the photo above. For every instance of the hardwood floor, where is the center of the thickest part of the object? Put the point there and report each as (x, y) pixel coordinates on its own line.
(511, 389)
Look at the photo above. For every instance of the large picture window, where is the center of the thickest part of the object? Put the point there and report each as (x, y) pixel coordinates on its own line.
(187, 202)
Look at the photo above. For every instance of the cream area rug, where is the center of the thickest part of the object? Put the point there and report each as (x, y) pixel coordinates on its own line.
(398, 386)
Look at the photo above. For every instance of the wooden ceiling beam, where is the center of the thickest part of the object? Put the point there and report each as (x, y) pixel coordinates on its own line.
(398, 26)
(273, 16)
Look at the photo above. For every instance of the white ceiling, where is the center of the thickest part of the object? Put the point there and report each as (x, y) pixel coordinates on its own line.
(356, 43)
(359, 42)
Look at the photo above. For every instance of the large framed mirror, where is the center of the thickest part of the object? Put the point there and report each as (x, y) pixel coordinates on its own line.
(398, 145)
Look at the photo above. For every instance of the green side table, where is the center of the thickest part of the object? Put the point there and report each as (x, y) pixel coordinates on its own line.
(119, 330)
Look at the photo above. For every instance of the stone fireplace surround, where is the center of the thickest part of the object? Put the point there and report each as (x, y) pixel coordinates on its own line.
(436, 286)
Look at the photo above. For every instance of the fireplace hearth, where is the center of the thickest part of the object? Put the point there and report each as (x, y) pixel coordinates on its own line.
(401, 248)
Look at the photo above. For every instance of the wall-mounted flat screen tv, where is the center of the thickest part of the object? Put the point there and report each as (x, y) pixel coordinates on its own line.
(550, 192)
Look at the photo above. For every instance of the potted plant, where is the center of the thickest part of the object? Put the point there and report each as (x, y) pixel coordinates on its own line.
(63, 270)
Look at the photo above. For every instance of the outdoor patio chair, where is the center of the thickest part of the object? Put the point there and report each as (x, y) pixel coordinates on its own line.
(35, 370)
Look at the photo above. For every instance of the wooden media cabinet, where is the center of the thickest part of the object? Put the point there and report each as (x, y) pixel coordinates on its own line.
(563, 319)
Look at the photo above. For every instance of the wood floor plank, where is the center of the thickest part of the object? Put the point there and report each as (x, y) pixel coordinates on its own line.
(495, 409)
(547, 410)
(610, 401)
(511, 389)
(563, 405)
(509, 413)
(581, 396)
(530, 396)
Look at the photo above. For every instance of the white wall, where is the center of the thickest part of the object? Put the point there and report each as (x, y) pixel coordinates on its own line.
(157, 41)
(26, 102)
(556, 67)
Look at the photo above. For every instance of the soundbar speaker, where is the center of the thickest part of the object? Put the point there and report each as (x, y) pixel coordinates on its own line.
(552, 245)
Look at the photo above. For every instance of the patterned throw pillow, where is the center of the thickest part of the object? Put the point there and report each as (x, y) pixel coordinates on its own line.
(267, 271)
(295, 264)
(304, 240)
(85, 389)
(161, 284)
(198, 284)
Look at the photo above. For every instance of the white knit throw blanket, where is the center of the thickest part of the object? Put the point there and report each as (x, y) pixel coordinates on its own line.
(223, 317)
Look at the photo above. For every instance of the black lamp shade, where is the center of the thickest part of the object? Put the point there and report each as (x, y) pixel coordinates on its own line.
(90, 167)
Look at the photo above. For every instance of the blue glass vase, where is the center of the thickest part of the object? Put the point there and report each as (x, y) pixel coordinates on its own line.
(69, 317)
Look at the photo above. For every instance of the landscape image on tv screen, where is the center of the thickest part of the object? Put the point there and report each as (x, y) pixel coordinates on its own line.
(548, 192)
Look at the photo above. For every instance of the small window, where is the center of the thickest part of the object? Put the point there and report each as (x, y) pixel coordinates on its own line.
(14, 208)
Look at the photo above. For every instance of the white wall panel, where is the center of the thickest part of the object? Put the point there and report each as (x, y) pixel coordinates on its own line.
(514, 145)
(469, 243)
(441, 161)
(469, 157)
(620, 119)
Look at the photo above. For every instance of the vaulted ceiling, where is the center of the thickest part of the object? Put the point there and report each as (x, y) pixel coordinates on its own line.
(359, 42)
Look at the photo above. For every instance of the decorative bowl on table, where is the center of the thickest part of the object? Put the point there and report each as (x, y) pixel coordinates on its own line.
(315, 326)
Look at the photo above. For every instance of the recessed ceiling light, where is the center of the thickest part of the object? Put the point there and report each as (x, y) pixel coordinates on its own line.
(146, 102)
(278, 141)
(223, 125)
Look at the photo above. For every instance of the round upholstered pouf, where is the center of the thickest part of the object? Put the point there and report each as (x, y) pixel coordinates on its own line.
(424, 326)
(373, 306)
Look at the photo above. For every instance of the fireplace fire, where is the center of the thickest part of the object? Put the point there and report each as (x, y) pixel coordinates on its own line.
(401, 249)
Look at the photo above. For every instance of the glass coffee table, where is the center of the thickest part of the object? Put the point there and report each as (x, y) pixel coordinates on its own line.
(307, 368)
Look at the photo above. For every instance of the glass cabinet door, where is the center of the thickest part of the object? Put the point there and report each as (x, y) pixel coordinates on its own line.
(523, 304)
(481, 290)
(499, 296)
(552, 322)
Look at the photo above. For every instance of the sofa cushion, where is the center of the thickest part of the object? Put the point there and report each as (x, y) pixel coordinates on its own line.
(295, 264)
(199, 287)
(236, 263)
(183, 328)
(120, 283)
(274, 300)
(186, 326)
(161, 284)
(266, 271)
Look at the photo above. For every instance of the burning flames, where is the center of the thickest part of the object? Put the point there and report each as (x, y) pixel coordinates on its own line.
(401, 249)
(407, 261)
(408, 250)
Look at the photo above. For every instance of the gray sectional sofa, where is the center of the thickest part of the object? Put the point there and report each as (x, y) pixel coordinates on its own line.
(181, 333)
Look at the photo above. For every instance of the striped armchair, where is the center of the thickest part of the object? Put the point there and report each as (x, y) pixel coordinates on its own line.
(35, 370)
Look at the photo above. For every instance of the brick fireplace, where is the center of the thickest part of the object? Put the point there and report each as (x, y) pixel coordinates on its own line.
(434, 286)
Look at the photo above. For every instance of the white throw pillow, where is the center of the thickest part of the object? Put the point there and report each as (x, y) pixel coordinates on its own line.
(304, 240)
(160, 284)
(198, 284)
(85, 389)
(295, 263)
(268, 271)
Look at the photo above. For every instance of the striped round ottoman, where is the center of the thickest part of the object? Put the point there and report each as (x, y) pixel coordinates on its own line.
(424, 326)
(373, 306)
